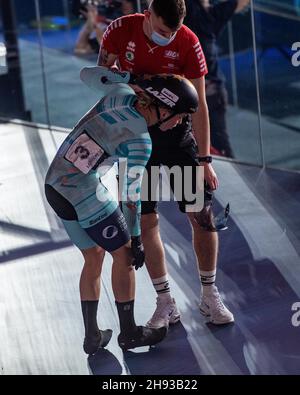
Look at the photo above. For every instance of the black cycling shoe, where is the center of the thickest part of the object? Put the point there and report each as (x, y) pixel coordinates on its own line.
(101, 339)
(142, 337)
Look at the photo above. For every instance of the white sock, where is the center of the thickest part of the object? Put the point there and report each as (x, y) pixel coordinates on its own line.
(162, 288)
(208, 281)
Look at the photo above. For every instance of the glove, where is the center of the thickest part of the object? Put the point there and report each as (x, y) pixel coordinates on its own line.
(137, 250)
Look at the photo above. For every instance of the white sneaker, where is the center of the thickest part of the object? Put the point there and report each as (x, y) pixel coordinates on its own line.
(166, 313)
(212, 306)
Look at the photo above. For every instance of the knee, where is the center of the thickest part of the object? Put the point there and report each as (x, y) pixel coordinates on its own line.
(123, 256)
(195, 226)
(197, 229)
(122, 260)
(93, 259)
(203, 235)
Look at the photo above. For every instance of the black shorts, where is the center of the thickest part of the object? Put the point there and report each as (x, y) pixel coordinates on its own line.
(172, 148)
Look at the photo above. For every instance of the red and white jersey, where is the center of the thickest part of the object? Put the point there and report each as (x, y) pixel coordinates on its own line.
(139, 55)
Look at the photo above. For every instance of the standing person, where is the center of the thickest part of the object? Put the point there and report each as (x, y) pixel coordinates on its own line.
(91, 33)
(115, 127)
(207, 22)
(130, 6)
(97, 17)
(151, 43)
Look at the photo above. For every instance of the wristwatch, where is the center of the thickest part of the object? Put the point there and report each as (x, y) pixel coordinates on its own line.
(205, 159)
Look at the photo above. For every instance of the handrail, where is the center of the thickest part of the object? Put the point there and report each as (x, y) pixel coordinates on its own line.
(276, 13)
(257, 84)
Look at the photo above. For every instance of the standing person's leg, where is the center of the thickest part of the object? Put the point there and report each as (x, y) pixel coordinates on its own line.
(89, 295)
(205, 243)
(206, 248)
(123, 281)
(89, 286)
(166, 310)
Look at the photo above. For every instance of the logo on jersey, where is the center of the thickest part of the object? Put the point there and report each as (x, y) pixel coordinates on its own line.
(200, 56)
(171, 54)
(131, 46)
(166, 96)
(96, 220)
(129, 56)
(65, 180)
(110, 232)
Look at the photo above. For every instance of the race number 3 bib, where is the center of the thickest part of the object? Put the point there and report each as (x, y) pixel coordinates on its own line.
(84, 153)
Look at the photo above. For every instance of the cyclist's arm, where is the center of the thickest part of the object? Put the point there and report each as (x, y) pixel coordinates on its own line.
(138, 152)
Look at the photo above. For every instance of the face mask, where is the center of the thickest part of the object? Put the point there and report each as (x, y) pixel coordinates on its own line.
(160, 40)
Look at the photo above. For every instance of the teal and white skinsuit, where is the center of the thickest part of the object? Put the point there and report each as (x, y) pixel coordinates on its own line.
(112, 129)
